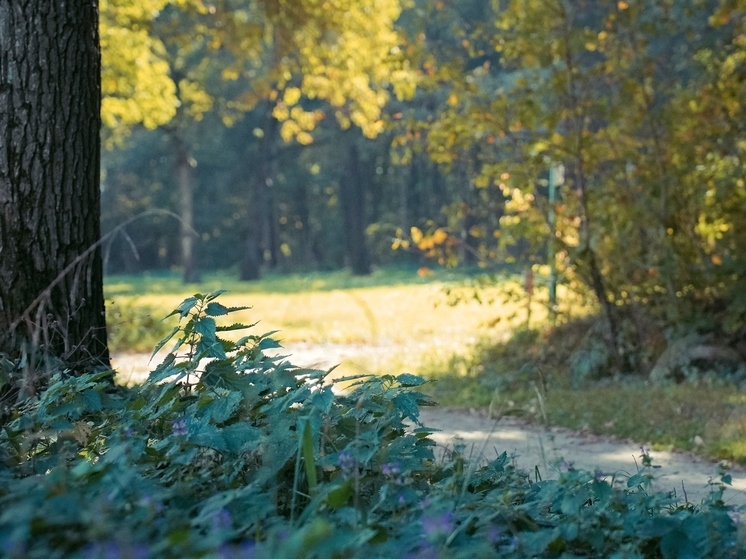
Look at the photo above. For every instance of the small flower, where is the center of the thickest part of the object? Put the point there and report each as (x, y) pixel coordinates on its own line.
(347, 463)
(598, 475)
(392, 472)
(391, 469)
(513, 543)
(222, 520)
(401, 500)
(493, 535)
(179, 428)
(434, 526)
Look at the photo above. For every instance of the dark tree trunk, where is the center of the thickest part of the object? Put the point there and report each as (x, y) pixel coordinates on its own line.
(262, 238)
(353, 192)
(303, 206)
(51, 284)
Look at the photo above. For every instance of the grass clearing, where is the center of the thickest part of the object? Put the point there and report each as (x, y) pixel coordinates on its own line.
(402, 319)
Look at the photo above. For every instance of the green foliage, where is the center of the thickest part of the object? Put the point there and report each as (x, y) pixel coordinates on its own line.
(225, 452)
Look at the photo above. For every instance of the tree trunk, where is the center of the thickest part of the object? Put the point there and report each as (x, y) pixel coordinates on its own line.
(51, 279)
(262, 238)
(184, 178)
(352, 189)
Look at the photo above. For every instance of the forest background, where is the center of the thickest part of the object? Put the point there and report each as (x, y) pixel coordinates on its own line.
(595, 147)
(579, 162)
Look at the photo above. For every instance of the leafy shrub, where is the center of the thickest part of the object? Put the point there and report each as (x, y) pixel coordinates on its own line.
(225, 452)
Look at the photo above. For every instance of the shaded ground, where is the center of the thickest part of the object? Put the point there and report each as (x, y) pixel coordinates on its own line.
(530, 446)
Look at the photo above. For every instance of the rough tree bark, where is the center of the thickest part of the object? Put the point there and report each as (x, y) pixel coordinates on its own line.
(51, 284)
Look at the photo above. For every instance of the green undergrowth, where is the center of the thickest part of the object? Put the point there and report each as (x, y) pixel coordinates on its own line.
(225, 453)
(542, 376)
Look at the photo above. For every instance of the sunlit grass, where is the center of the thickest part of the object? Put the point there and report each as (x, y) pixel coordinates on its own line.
(401, 318)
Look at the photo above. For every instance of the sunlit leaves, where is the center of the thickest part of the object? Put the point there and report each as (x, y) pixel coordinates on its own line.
(135, 82)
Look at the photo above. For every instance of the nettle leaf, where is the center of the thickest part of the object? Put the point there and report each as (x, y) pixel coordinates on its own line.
(269, 343)
(215, 294)
(186, 305)
(168, 368)
(238, 326)
(216, 309)
(206, 327)
(209, 436)
(207, 348)
(223, 407)
(164, 341)
(407, 404)
(241, 437)
(410, 380)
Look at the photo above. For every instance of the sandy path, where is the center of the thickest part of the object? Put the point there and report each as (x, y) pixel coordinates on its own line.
(530, 445)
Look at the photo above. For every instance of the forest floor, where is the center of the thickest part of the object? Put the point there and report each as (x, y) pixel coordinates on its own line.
(532, 447)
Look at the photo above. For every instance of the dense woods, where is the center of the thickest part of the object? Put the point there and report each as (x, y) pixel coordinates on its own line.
(640, 103)
(281, 146)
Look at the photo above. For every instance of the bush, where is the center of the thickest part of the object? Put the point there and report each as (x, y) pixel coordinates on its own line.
(225, 452)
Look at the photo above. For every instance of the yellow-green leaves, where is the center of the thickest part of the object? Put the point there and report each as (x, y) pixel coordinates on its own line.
(135, 82)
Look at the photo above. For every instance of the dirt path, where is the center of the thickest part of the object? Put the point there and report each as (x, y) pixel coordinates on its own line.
(530, 445)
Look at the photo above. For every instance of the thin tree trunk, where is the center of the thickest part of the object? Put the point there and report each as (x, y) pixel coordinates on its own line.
(353, 192)
(185, 179)
(598, 283)
(51, 279)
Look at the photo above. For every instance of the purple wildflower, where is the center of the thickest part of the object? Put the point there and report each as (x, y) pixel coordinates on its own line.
(347, 463)
(179, 427)
(494, 535)
(222, 520)
(441, 525)
(392, 472)
(283, 534)
(391, 469)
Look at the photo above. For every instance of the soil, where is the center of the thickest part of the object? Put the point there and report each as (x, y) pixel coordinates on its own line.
(549, 449)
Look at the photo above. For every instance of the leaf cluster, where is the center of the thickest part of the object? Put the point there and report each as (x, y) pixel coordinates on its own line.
(226, 452)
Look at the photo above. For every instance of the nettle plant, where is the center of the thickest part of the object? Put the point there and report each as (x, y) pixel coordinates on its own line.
(226, 452)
